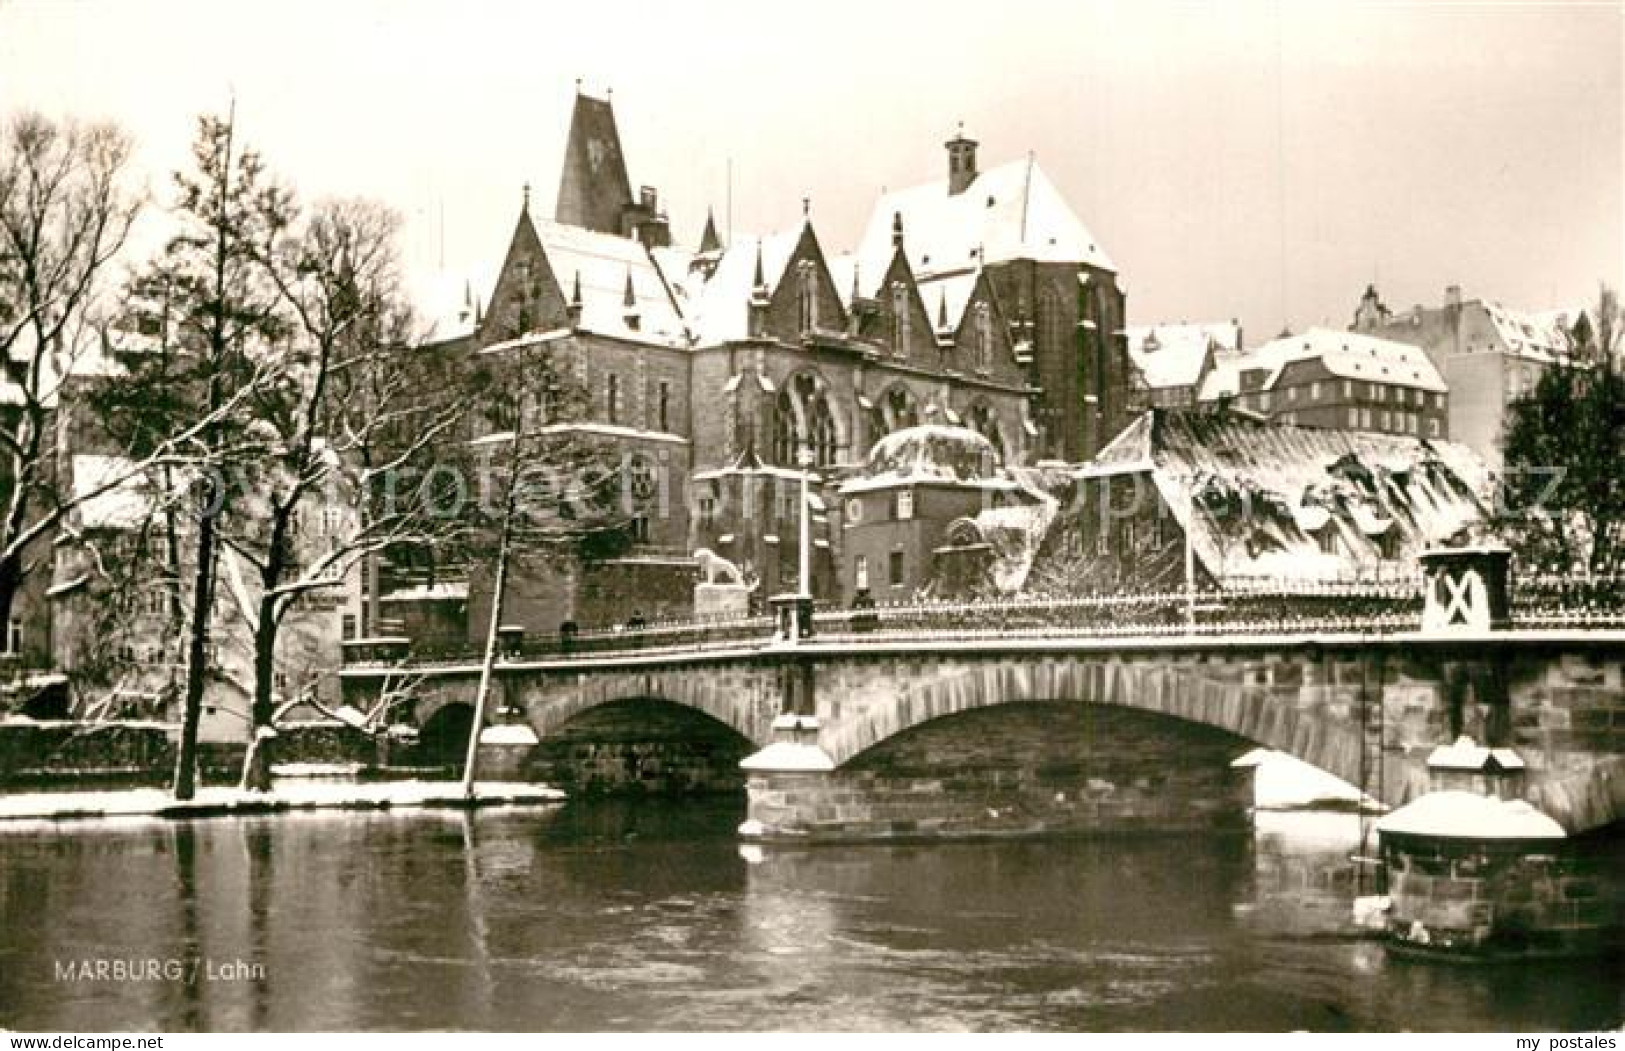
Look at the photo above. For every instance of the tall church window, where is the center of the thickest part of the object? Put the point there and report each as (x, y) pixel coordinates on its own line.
(612, 399)
(984, 338)
(896, 410)
(985, 422)
(807, 290)
(804, 421)
(664, 405)
(900, 318)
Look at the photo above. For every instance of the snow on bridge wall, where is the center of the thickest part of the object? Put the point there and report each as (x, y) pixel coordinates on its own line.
(1368, 711)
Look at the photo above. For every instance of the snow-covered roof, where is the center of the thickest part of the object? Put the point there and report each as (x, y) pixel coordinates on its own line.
(604, 263)
(446, 302)
(1349, 355)
(715, 300)
(1008, 212)
(930, 453)
(1268, 491)
(1541, 335)
(1468, 815)
(1172, 355)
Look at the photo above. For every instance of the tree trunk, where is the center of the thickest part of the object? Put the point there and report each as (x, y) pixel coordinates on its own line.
(499, 590)
(257, 763)
(196, 658)
(11, 579)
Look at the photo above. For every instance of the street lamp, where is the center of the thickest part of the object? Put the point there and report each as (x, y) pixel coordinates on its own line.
(805, 459)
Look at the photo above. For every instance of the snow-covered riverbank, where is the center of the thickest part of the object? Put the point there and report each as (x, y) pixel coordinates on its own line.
(288, 795)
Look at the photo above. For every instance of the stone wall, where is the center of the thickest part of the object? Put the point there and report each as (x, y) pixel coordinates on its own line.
(1020, 769)
(641, 747)
(1506, 897)
(64, 755)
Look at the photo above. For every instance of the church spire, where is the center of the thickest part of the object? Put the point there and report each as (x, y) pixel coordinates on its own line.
(709, 241)
(759, 283)
(594, 190)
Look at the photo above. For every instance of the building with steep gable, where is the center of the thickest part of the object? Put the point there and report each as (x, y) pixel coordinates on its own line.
(979, 301)
(1489, 354)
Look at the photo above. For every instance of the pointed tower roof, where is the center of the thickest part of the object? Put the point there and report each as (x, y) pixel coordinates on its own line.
(629, 298)
(594, 190)
(709, 241)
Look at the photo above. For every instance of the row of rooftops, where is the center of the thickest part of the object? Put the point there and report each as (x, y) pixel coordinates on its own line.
(652, 291)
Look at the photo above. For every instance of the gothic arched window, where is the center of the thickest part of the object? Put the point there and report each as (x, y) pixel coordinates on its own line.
(900, 318)
(985, 422)
(983, 335)
(896, 410)
(804, 421)
(807, 292)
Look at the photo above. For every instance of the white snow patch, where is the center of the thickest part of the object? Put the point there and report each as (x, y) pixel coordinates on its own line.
(509, 734)
(1284, 782)
(784, 756)
(310, 795)
(1468, 815)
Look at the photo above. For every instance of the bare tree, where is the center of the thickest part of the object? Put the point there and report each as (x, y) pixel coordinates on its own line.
(65, 213)
(353, 404)
(550, 491)
(197, 397)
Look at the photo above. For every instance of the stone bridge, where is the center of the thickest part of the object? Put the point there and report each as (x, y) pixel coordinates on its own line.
(878, 735)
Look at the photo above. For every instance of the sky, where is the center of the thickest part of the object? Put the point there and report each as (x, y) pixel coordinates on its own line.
(1258, 161)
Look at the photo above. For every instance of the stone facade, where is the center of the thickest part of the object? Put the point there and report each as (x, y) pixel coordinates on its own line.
(1025, 769)
(1504, 898)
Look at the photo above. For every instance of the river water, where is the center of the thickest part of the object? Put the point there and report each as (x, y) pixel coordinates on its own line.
(606, 915)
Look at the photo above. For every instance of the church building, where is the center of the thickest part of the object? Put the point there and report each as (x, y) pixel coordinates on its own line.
(727, 368)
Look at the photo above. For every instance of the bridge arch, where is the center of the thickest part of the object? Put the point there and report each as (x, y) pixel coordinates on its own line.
(1181, 690)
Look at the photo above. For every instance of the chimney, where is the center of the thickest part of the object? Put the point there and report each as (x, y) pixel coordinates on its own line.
(961, 162)
(1452, 296)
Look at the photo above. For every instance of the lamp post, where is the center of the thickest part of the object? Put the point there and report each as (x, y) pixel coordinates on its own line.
(804, 581)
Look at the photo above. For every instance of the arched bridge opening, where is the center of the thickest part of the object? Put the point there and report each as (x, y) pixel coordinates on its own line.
(1028, 767)
(642, 746)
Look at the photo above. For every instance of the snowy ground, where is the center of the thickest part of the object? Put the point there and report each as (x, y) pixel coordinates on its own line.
(296, 795)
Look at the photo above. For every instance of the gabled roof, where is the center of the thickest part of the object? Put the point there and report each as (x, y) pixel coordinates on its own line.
(1349, 355)
(604, 263)
(1009, 212)
(715, 301)
(1172, 355)
(1538, 335)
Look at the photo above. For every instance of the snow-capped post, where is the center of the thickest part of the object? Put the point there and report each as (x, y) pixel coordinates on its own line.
(1466, 589)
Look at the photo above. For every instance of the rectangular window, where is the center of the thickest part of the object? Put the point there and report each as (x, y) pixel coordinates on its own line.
(1354, 416)
(860, 573)
(14, 637)
(1292, 394)
(708, 510)
(639, 529)
(1314, 391)
(1433, 428)
(348, 628)
(1386, 425)
(895, 566)
(1348, 388)
(1365, 418)
(1264, 401)
(612, 399)
(664, 403)
(905, 505)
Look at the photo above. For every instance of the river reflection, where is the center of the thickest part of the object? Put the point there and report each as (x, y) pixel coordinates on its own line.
(651, 916)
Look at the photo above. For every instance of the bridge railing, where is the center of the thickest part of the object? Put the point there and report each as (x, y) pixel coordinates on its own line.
(1256, 608)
